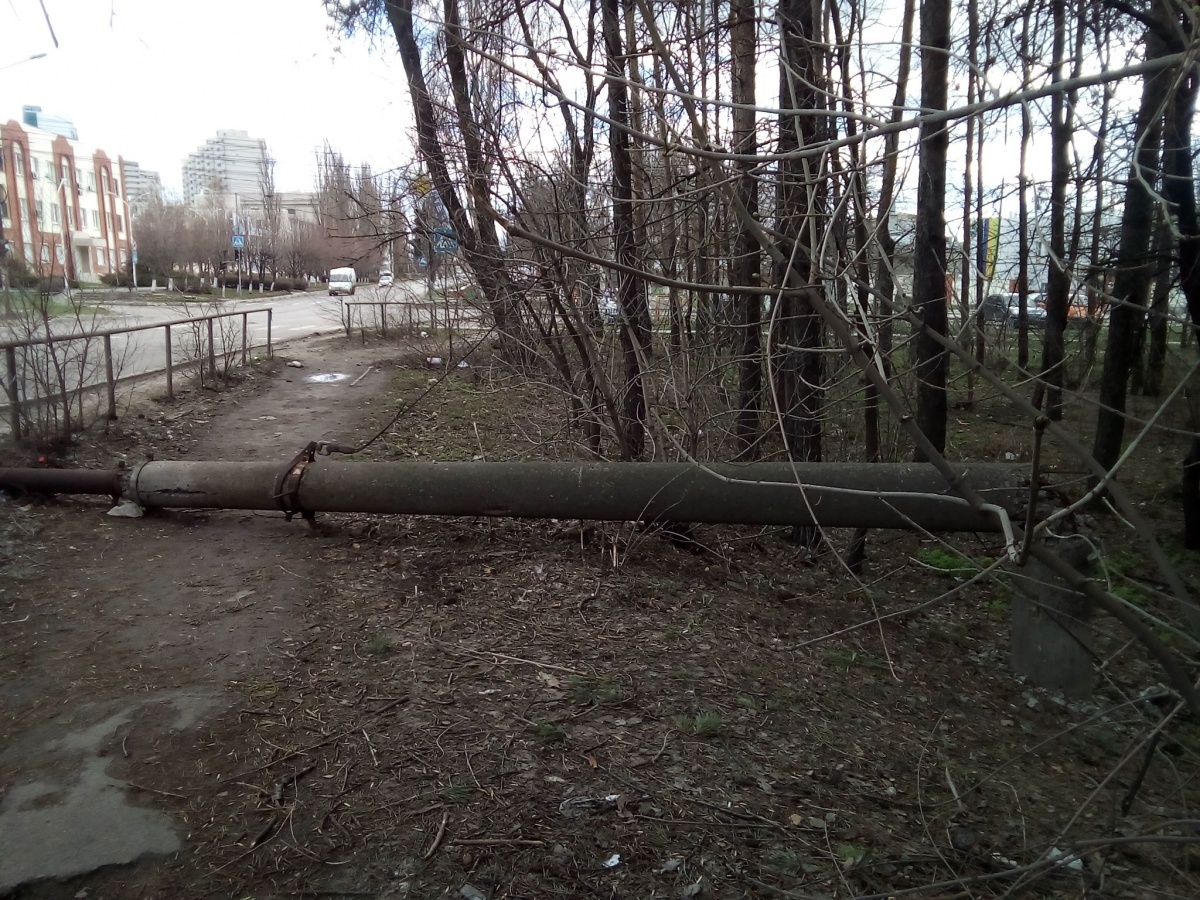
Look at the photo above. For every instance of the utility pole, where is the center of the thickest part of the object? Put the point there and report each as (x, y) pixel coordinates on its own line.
(837, 495)
(8, 307)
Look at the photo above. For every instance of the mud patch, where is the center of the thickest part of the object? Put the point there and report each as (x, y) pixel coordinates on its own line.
(60, 826)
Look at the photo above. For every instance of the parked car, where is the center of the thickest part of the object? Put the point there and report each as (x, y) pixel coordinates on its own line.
(385, 279)
(1005, 309)
(610, 312)
(341, 281)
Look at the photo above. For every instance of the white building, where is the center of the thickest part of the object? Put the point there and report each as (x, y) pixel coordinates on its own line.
(33, 117)
(295, 207)
(141, 185)
(64, 208)
(228, 166)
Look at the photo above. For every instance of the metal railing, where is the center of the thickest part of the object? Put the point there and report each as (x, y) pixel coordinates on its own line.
(13, 382)
(410, 315)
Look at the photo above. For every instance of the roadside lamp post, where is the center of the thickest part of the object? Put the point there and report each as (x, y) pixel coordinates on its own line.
(67, 245)
(132, 241)
(25, 60)
(8, 310)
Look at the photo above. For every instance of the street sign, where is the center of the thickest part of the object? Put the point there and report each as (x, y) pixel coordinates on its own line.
(135, 257)
(444, 240)
(239, 242)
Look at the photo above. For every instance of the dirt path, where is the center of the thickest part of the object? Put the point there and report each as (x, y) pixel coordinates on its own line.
(121, 636)
(421, 708)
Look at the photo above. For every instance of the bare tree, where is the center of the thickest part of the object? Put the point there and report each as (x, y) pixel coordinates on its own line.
(929, 278)
(271, 226)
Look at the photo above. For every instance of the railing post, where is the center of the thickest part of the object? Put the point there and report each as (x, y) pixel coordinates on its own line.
(212, 351)
(383, 316)
(110, 383)
(245, 328)
(10, 387)
(270, 313)
(170, 366)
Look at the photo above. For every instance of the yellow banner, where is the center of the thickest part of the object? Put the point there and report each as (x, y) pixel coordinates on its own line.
(988, 247)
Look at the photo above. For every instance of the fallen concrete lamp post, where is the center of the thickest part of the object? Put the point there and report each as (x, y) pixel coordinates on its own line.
(1050, 641)
(894, 495)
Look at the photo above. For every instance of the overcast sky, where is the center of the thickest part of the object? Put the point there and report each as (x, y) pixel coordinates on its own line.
(151, 80)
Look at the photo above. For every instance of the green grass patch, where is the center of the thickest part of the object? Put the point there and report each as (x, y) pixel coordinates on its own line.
(597, 692)
(379, 644)
(457, 793)
(787, 861)
(706, 724)
(845, 660)
(998, 607)
(951, 562)
(550, 733)
(1131, 594)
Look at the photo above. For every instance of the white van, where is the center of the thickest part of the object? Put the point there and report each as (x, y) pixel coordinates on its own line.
(341, 281)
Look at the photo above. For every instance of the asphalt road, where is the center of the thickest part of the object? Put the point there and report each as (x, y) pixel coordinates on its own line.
(143, 351)
(140, 352)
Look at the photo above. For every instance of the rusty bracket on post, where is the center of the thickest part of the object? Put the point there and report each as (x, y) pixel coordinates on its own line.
(287, 485)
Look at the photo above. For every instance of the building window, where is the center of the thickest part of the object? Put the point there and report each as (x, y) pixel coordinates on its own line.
(95, 220)
(39, 210)
(78, 180)
(124, 259)
(71, 216)
(91, 182)
(3, 209)
(60, 254)
(33, 167)
(54, 214)
(45, 253)
(19, 160)
(120, 226)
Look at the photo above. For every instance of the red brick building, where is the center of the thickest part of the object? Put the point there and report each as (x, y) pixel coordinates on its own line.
(63, 209)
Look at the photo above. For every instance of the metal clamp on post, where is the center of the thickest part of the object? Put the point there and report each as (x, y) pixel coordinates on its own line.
(287, 485)
(328, 448)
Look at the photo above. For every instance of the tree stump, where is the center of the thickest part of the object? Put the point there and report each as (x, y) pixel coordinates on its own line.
(1051, 630)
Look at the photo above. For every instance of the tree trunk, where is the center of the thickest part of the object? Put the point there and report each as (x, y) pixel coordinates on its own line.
(480, 246)
(885, 283)
(983, 250)
(1023, 210)
(1157, 321)
(628, 293)
(1133, 269)
(744, 44)
(929, 275)
(964, 299)
(1096, 281)
(1058, 280)
(797, 331)
(1179, 187)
